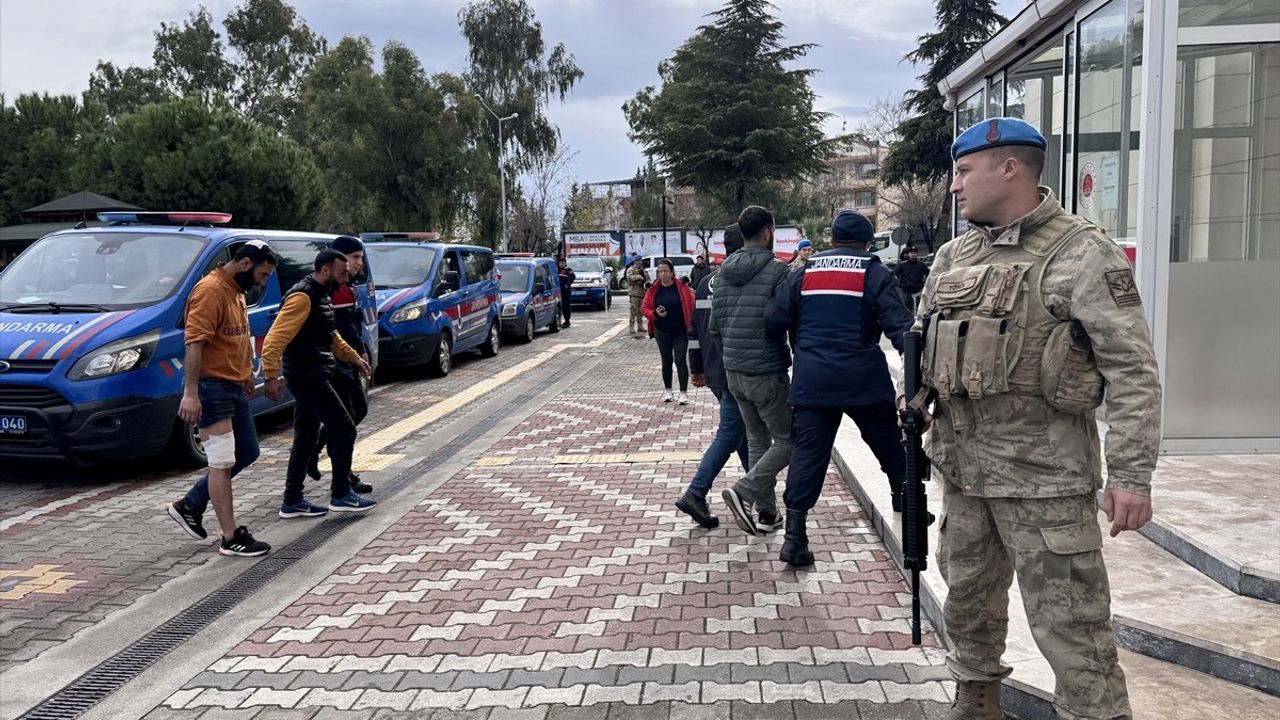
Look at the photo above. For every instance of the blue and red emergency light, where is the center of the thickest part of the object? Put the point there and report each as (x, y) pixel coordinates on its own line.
(166, 217)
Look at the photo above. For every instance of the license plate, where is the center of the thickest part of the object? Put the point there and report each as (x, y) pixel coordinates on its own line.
(13, 425)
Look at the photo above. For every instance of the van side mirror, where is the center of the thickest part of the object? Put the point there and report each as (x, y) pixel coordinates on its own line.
(449, 282)
(539, 288)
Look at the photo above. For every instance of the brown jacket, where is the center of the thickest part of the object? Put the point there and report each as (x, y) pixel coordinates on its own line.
(217, 317)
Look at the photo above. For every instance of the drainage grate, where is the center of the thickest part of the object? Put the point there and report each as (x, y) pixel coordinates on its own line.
(113, 673)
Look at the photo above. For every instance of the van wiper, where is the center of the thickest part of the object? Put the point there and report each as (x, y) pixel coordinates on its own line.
(52, 307)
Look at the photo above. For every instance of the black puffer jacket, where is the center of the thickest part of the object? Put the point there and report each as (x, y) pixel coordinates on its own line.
(745, 283)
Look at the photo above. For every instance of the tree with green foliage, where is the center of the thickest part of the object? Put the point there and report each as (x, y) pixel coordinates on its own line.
(511, 71)
(396, 148)
(731, 117)
(187, 154)
(923, 151)
(41, 142)
(258, 71)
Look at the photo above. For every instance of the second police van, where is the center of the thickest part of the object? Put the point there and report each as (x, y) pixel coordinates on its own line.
(434, 300)
(530, 296)
(91, 332)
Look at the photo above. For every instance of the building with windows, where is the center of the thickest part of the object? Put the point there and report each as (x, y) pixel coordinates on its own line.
(853, 182)
(1163, 122)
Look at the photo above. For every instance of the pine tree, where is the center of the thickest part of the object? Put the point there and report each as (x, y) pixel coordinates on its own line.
(923, 151)
(730, 117)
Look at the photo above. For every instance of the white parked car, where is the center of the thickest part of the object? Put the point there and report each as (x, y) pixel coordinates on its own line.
(683, 264)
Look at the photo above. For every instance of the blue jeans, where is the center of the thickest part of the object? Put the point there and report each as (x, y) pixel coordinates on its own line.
(219, 400)
(731, 435)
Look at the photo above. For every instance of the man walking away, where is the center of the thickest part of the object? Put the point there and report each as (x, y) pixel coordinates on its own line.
(217, 383)
(836, 306)
(755, 362)
(305, 340)
(636, 281)
(567, 276)
(1031, 315)
(707, 371)
(347, 380)
(911, 275)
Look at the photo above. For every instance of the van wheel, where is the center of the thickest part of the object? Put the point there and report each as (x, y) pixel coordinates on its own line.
(555, 321)
(529, 330)
(442, 362)
(185, 446)
(490, 347)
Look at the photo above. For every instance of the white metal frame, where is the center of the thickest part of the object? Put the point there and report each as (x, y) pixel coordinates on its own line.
(1225, 34)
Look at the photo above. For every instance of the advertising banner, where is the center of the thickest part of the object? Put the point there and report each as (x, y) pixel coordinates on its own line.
(785, 239)
(648, 243)
(604, 244)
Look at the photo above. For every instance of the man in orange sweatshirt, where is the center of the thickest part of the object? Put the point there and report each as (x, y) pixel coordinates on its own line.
(304, 343)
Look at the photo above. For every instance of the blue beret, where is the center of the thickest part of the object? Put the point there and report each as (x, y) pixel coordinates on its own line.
(803, 244)
(347, 244)
(996, 132)
(852, 226)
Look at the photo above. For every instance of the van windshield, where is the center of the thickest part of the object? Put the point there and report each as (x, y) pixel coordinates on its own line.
(104, 271)
(515, 278)
(400, 267)
(586, 264)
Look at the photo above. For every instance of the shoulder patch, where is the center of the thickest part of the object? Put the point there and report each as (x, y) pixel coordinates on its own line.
(1123, 289)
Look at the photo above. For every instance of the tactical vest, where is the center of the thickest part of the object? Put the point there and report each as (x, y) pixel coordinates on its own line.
(990, 331)
(312, 348)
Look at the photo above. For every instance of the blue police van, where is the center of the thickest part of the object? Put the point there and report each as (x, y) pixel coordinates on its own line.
(91, 332)
(434, 300)
(530, 296)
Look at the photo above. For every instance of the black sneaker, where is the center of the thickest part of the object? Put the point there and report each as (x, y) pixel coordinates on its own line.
(740, 510)
(359, 486)
(769, 522)
(696, 507)
(187, 519)
(243, 545)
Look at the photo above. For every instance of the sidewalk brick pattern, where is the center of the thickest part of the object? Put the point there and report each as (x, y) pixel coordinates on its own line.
(529, 585)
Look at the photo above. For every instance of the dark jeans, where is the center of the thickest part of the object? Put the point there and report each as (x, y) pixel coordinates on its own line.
(316, 401)
(219, 400)
(813, 434)
(673, 347)
(731, 436)
(350, 388)
(566, 304)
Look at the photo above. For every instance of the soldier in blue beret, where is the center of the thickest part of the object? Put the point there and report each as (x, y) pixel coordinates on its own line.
(836, 306)
(1027, 319)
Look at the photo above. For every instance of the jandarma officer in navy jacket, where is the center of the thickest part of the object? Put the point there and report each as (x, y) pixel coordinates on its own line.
(836, 307)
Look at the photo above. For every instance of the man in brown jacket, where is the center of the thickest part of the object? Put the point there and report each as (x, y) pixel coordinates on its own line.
(217, 382)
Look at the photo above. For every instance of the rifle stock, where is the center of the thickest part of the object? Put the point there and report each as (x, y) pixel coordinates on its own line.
(915, 505)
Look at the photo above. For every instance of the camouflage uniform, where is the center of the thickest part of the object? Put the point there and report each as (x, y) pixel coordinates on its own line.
(1027, 325)
(636, 278)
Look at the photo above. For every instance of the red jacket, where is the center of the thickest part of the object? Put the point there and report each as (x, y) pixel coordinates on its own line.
(686, 305)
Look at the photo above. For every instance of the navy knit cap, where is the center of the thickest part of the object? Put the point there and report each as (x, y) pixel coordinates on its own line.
(347, 244)
(852, 226)
(996, 132)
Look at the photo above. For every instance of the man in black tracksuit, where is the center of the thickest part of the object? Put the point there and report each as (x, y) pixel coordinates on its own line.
(567, 276)
(911, 274)
(347, 381)
(836, 308)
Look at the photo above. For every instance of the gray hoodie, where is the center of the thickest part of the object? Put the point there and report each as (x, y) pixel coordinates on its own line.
(747, 281)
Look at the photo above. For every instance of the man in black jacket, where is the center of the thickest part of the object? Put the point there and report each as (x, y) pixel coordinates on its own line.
(347, 381)
(707, 371)
(911, 274)
(567, 276)
(836, 308)
(304, 344)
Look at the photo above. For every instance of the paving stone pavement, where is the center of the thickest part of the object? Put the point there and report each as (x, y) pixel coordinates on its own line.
(106, 527)
(553, 578)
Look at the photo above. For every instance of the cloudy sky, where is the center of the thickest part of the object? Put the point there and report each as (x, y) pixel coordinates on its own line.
(52, 46)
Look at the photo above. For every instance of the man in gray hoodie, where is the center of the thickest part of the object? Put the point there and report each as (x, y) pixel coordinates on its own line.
(755, 361)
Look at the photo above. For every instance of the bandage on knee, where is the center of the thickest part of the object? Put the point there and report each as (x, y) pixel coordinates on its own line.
(221, 451)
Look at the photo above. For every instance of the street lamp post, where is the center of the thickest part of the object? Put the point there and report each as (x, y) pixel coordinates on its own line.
(502, 172)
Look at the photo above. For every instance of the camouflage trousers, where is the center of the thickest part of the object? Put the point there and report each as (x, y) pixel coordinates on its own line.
(636, 320)
(1055, 547)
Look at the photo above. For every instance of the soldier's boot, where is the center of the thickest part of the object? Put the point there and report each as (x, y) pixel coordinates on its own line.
(895, 490)
(976, 701)
(795, 546)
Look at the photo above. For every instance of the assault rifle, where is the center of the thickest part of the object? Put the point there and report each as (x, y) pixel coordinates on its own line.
(915, 506)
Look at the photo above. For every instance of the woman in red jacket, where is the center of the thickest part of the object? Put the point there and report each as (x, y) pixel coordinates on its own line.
(668, 308)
